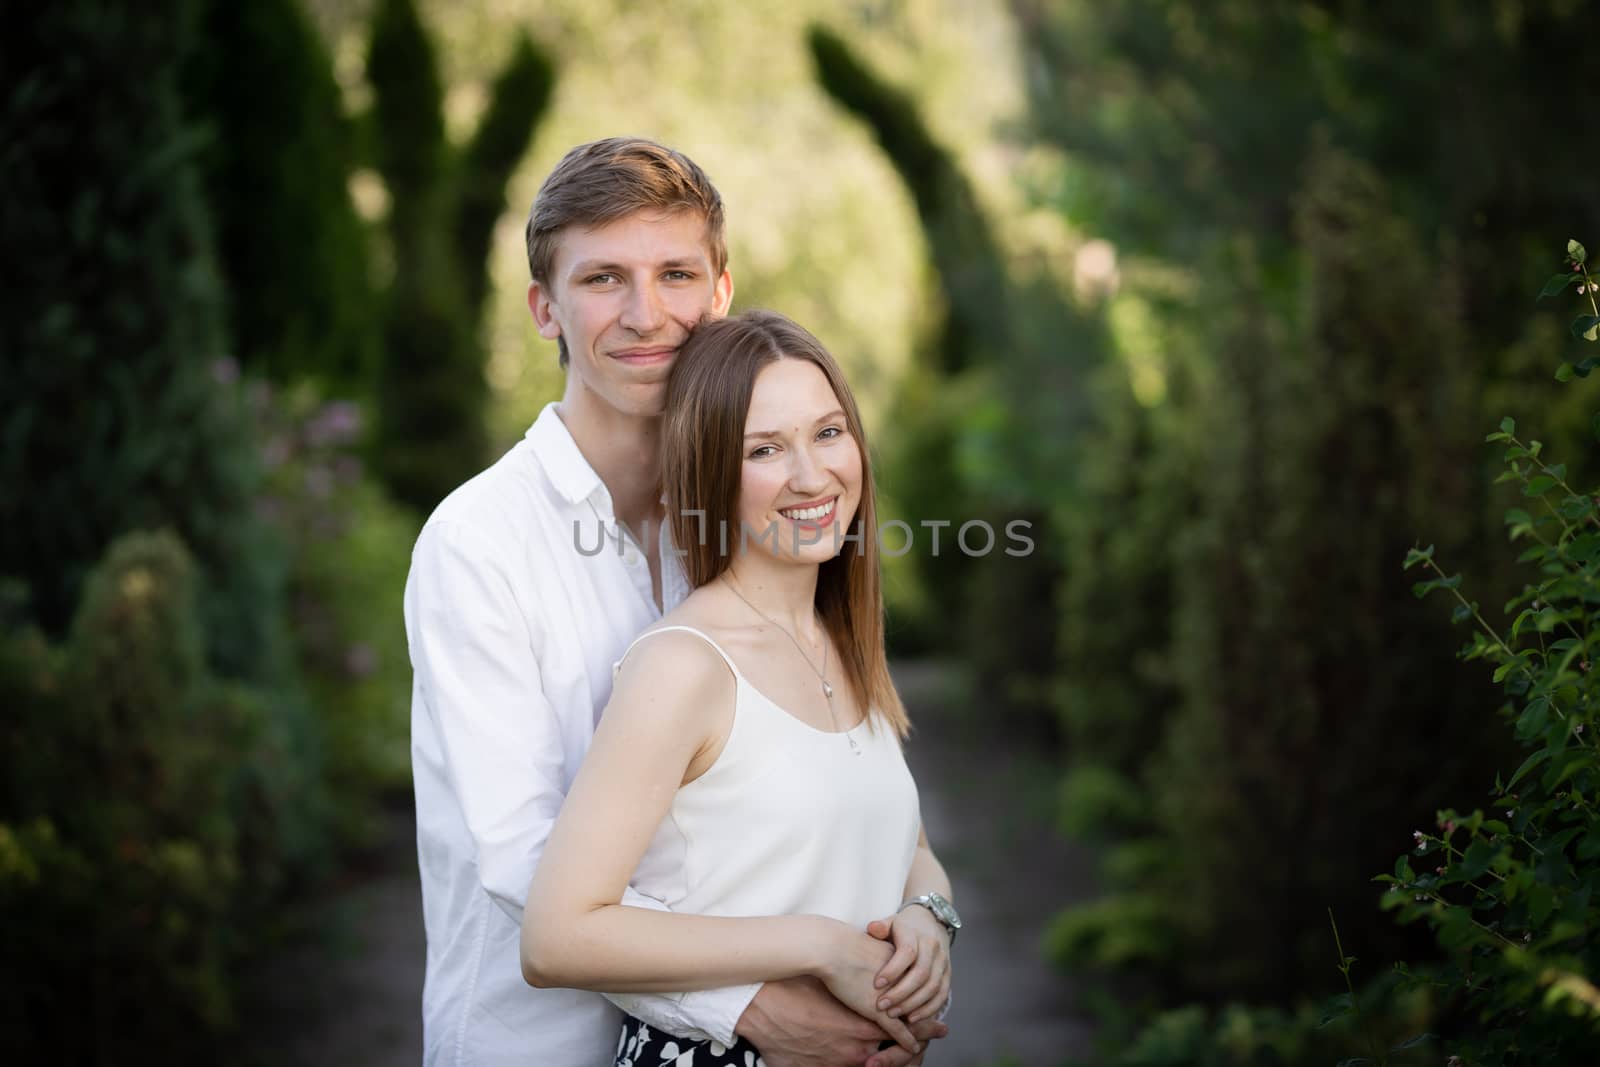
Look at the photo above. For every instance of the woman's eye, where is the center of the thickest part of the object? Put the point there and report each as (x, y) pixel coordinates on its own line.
(829, 432)
(763, 452)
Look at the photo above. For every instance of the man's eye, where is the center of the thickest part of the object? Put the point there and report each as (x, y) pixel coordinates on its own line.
(602, 279)
(679, 276)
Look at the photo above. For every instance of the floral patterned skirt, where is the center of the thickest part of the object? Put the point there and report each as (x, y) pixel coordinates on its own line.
(640, 1046)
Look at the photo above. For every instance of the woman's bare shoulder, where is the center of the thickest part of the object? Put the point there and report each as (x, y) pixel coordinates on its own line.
(669, 660)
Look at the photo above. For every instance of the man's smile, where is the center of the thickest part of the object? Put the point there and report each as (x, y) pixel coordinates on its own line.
(645, 356)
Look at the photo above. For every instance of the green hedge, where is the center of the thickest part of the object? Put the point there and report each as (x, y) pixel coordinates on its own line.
(152, 815)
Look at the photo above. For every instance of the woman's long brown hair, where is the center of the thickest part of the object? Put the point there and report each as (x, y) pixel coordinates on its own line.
(702, 459)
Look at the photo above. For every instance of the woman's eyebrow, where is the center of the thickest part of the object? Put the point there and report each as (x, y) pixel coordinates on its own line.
(834, 414)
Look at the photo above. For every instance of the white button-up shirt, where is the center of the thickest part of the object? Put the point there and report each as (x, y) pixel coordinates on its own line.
(523, 592)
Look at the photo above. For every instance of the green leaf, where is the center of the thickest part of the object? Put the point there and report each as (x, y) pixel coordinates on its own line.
(1564, 373)
(1556, 284)
(1535, 717)
(1508, 424)
(1541, 901)
(1583, 327)
(1539, 486)
(1418, 555)
(1336, 1008)
(1527, 765)
(1475, 860)
(1518, 517)
(1576, 252)
(1576, 508)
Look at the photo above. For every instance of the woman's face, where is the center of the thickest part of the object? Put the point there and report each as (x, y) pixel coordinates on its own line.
(800, 484)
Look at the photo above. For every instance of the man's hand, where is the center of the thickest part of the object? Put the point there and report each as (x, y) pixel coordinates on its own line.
(798, 1023)
(895, 1056)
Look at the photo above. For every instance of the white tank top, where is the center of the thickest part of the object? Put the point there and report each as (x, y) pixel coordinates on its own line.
(789, 820)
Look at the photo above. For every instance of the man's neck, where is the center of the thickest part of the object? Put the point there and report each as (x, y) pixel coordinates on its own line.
(624, 450)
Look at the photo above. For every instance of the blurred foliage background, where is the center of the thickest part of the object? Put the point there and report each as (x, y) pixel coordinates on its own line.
(1219, 298)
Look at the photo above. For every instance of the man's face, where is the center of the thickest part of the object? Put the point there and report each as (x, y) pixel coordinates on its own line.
(625, 296)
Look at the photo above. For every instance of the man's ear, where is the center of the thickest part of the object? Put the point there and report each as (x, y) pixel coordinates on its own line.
(541, 306)
(722, 296)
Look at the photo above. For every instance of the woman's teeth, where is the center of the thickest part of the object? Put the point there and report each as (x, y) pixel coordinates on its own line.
(803, 514)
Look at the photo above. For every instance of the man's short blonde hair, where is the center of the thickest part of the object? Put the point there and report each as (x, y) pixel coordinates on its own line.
(603, 181)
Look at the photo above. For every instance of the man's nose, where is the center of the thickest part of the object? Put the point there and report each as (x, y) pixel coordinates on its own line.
(643, 313)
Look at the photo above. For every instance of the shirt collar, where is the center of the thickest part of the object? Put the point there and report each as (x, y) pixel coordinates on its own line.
(558, 453)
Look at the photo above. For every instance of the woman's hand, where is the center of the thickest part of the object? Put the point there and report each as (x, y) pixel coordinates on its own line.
(855, 960)
(915, 981)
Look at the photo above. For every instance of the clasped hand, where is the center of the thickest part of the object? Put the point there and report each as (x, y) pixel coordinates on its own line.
(896, 973)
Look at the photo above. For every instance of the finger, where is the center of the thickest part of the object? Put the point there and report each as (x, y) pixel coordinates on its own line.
(900, 1032)
(914, 978)
(929, 1029)
(879, 928)
(893, 1056)
(925, 1001)
(903, 957)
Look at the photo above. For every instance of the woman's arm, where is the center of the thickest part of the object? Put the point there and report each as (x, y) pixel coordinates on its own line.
(922, 944)
(927, 873)
(669, 713)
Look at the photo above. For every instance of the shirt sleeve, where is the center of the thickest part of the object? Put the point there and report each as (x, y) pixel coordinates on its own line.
(477, 671)
(709, 1015)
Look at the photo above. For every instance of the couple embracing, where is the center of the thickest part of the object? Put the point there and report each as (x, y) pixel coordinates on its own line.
(728, 865)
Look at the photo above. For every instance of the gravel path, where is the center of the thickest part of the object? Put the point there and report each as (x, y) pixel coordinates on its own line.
(349, 994)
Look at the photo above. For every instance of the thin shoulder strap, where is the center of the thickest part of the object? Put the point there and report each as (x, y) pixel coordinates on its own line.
(688, 630)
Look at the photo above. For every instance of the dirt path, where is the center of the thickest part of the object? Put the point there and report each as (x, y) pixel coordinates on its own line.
(350, 995)
(987, 803)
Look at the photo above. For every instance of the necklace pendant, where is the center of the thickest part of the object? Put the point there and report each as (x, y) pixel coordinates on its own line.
(827, 690)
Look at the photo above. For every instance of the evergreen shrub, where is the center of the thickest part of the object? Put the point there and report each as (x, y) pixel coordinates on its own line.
(349, 549)
(152, 813)
(1512, 895)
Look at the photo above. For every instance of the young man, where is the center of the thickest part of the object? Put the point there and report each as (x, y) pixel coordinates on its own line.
(514, 621)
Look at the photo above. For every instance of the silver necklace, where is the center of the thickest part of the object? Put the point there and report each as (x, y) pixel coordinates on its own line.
(822, 675)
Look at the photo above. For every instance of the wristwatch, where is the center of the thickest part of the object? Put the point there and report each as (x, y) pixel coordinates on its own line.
(942, 910)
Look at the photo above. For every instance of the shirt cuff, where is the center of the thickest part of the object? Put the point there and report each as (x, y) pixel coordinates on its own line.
(709, 1015)
(717, 1011)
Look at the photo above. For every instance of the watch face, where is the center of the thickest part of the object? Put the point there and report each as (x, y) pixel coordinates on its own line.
(945, 911)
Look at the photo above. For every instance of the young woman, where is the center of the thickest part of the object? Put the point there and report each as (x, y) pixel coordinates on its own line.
(747, 770)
